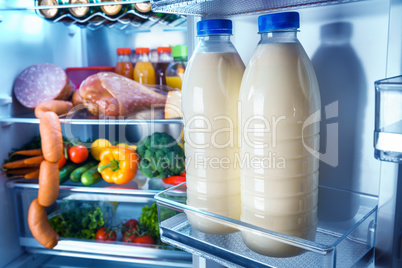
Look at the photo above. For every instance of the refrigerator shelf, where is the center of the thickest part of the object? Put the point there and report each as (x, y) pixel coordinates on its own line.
(222, 8)
(77, 120)
(344, 236)
(121, 205)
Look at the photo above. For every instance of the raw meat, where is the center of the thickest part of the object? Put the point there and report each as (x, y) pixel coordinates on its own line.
(42, 82)
(115, 95)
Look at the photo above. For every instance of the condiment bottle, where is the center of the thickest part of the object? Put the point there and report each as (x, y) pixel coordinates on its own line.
(164, 58)
(144, 72)
(279, 97)
(175, 70)
(123, 65)
(209, 102)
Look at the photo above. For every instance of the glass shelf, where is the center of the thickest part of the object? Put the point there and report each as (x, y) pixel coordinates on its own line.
(77, 120)
(344, 235)
(223, 8)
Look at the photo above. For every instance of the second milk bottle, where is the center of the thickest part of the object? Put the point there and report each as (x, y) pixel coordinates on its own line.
(210, 96)
(279, 98)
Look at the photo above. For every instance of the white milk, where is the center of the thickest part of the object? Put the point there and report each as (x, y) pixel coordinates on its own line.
(279, 92)
(210, 97)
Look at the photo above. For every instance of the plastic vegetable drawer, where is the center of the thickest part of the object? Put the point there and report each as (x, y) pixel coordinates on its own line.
(81, 211)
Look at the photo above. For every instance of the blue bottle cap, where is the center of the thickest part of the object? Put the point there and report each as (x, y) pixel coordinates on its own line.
(214, 27)
(285, 20)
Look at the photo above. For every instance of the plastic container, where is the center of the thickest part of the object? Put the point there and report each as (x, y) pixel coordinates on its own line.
(164, 59)
(175, 70)
(124, 66)
(209, 102)
(144, 72)
(339, 241)
(79, 74)
(279, 137)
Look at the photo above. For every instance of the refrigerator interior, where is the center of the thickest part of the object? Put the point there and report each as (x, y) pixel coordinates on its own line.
(351, 44)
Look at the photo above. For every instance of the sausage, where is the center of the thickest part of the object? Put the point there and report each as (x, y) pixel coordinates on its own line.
(48, 183)
(77, 99)
(59, 107)
(40, 227)
(51, 137)
(41, 82)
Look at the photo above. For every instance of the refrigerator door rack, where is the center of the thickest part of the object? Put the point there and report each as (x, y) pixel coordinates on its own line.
(388, 120)
(344, 235)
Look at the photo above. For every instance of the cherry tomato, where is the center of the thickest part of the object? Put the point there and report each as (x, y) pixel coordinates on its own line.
(105, 234)
(145, 239)
(62, 161)
(130, 226)
(78, 153)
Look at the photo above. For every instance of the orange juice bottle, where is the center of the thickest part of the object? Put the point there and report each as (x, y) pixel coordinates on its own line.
(124, 65)
(175, 70)
(144, 72)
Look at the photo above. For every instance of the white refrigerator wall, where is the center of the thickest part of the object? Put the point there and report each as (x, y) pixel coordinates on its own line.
(348, 46)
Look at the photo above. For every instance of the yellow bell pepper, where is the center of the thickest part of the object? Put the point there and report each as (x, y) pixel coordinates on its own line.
(118, 164)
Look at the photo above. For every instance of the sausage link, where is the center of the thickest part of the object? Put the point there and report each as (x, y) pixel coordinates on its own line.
(59, 107)
(48, 183)
(40, 227)
(51, 137)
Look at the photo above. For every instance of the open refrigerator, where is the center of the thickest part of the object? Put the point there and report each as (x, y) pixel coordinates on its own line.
(353, 45)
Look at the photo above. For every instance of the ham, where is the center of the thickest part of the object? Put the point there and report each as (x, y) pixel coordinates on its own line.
(42, 82)
(112, 94)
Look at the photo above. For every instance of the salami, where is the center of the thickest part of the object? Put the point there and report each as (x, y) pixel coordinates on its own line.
(41, 82)
(115, 95)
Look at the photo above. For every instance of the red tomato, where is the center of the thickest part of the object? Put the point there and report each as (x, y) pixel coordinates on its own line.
(129, 237)
(130, 226)
(78, 153)
(62, 161)
(174, 180)
(105, 234)
(145, 239)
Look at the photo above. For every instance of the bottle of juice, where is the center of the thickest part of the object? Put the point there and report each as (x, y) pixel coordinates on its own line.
(279, 97)
(123, 65)
(175, 70)
(164, 58)
(210, 94)
(144, 72)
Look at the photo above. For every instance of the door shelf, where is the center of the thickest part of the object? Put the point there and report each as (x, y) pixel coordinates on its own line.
(344, 235)
(118, 205)
(224, 8)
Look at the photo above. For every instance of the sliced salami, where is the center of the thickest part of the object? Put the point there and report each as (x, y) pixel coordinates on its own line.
(41, 82)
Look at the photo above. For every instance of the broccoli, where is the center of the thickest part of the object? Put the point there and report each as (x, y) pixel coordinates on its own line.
(160, 156)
